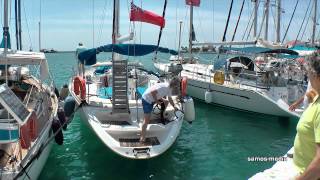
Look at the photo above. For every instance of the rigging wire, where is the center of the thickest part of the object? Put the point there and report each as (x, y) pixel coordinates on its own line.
(27, 24)
(294, 11)
(235, 29)
(303, 21)
(305, 27)
(249, 32)
(227, 24)
(160, 33)
(102, 20)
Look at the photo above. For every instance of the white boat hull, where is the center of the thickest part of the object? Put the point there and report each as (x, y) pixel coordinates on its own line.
(234, 97)
(110, 134)
(34, 170)
(237, 98)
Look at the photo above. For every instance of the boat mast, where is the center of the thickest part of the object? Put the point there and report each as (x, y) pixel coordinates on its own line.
(190, 32)
(5, 33)
(40, 29)
(179, 42)
(278, 6)
(255, 19)
(267, 19)
(16, 21)
(314, 22)
(19, 24)
(115, 29)
(5, 26)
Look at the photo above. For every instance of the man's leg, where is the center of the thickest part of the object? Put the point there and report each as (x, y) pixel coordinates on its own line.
(144, 126)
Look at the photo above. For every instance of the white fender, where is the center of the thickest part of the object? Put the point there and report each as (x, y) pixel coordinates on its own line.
(208, 96)
(189, 111)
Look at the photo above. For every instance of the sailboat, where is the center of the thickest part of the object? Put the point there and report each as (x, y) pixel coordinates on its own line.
(247, 89)
(109, 94)
(28, 110)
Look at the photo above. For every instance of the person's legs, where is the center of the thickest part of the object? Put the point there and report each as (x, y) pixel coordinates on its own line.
(147, 109)
(144, 127)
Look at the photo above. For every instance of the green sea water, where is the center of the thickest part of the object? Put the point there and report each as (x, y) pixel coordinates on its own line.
(216, 146)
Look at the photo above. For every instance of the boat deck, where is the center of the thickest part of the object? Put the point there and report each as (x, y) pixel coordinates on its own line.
(134, 142)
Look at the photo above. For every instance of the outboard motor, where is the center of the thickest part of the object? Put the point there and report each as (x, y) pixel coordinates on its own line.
(69, 106)
(188, 109)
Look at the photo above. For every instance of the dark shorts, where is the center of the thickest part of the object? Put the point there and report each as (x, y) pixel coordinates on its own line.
(147, 107)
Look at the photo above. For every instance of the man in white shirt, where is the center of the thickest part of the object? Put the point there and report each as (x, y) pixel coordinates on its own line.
(156, 94)
(80, 49)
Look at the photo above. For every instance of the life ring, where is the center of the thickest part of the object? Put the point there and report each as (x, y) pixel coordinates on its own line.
(79, 87)
(184, 83)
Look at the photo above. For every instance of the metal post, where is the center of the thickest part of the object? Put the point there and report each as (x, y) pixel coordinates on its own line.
(267, 20)
(190, 32)
(314, 26)
(255, 19)
(179, 43)
(278, 6)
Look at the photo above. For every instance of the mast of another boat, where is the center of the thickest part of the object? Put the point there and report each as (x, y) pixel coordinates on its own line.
(39, 24)
(278, 6)
(179, 55)
(255, 19)
(5, 35)
(190, 32)
(314, 23)
(267, 20)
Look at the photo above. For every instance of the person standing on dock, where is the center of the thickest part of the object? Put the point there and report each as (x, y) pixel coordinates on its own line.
(306, 155)
(156, 94)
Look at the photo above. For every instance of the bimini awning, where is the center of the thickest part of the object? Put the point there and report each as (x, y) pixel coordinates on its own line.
(25, 58)
(89, 57)
(261, 50)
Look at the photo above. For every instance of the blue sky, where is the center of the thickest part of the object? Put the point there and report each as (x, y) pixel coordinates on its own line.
(64, 23)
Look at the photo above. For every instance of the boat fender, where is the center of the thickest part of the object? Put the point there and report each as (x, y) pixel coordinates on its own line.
(79, 87)
(62, 118)
(64, 92)
(69, 106)
(188, 109)
(208, 96)
(184, 83)
(218, 77)
(56, 128)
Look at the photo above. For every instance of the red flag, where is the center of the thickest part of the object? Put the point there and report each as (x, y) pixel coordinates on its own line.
(138, 14)
(193, 2)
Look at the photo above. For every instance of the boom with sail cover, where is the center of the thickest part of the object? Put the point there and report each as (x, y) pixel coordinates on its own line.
(89, 57)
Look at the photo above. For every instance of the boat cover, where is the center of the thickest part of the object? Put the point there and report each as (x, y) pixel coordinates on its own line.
(89, 57)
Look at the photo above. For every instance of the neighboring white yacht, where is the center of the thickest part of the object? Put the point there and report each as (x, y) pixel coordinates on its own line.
(27, 113)
(242, 85)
